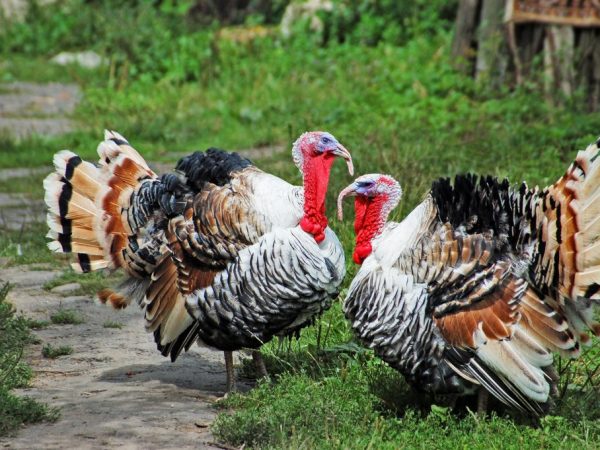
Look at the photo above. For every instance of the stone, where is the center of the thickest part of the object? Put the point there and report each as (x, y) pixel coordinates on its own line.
(31, 108)
(20, 278)
(87, 59)
(298, 11)
(16, 10)
(66, 288)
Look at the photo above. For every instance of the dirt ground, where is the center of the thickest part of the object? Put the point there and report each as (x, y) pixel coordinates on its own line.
(115, 390)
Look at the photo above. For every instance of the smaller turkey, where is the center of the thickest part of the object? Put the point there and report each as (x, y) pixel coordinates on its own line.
(481, 283)
(217, 252)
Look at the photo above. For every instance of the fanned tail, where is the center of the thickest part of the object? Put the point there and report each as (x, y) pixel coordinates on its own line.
(90, 210)
(74, 218)
(567, 261)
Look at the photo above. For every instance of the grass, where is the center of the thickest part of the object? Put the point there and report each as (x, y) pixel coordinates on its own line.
(30, 185)
(28, 246)
(90, 283)
(112, 324)
(342, 412)
(49, 351)
(401, 110)
(66, 317)
(14, 373)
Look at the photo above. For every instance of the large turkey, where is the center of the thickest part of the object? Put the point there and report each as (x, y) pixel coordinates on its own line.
(217, 252)
(481, 283)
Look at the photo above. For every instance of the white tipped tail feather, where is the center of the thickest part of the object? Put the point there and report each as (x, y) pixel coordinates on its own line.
(86, 203)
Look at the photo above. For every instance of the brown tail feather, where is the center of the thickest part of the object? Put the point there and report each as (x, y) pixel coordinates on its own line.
(72, 212)
(114, 299)
(166, 313)
(568, 214)
(86, 205)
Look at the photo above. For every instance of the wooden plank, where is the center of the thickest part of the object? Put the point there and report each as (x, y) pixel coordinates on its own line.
(582, 13)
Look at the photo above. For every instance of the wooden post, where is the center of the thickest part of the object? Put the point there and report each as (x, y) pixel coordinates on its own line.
(595, 86)
(559, 48)
(464, 35)
(492, 52)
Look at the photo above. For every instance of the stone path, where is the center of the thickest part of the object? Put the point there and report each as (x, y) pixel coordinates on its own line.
(31, 108)
(19, 210)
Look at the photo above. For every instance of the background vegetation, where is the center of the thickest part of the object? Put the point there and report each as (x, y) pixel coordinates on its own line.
(178, 78)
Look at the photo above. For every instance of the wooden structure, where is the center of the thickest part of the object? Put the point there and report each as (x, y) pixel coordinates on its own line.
(552, 42)
(574, 13)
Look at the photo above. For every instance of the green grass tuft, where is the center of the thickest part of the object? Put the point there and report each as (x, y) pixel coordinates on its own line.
(66, 317)
(18, 411)
(49, 351)
(90, 283)
(37, 324)
(112, 324)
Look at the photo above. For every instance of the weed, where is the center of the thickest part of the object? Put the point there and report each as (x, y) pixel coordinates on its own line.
(37, 324)
(49, 351)
(112, 324)
(66, 317)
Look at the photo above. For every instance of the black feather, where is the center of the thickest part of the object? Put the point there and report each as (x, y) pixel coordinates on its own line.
(212, 166)
(479, 204)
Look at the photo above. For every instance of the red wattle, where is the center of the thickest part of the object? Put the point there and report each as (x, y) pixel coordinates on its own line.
(368, 223)
(306, 225)
(316, 179)
(361, 252)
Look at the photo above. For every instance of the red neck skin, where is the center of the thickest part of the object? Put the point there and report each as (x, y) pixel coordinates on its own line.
(368, 223)
(316, 179)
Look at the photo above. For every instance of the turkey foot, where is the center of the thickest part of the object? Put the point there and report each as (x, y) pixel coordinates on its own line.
(230, 373)
(482, 401)
(259, 366)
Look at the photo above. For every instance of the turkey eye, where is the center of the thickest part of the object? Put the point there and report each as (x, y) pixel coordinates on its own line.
(366, 184)
(325, 140)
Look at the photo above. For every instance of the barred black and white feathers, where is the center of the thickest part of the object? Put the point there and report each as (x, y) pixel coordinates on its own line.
(214, 251)
(481, 283)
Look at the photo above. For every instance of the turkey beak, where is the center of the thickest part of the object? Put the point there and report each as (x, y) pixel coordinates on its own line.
(341, 151)
(349, 191)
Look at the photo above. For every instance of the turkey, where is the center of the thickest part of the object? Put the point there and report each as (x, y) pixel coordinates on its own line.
(481, 283)
(217, 252)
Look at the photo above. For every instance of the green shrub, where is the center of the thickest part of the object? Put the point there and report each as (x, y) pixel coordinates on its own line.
(370, 22)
